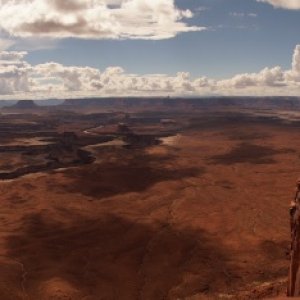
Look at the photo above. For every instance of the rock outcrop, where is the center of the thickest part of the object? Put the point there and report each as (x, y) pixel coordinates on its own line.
(64, 152)
(25, 104)
(294, 272)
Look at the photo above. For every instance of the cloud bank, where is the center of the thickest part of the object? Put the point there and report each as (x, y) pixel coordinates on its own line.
(287, 4)
(94, 19)
(19, 80)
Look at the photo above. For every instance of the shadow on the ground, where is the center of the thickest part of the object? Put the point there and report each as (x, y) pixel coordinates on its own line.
(134, 172)
(249, 153)
(114, 258)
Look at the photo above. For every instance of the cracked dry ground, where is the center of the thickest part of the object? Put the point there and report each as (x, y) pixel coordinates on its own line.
(204, 218)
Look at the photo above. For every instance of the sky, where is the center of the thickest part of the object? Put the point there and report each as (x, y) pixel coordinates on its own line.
(189, 48)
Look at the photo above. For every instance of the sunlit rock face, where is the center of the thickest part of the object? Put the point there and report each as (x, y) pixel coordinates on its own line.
(294, 273)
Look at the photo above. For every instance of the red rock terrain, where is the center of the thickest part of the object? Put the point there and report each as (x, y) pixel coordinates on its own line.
(203, 218)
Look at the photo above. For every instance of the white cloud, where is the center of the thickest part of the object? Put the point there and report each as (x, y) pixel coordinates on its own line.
(287, 4)
(13, 73)
(296, 60)
(19, 79)
(12, 55)
(268, 77)
(294, 73)
(94, 19)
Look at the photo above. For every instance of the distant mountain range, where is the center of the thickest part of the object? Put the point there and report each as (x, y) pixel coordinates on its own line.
(288, 103)
(48, 102)
(188, 103)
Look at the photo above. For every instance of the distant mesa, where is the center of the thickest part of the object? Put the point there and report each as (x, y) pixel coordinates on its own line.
(30, 103)
(25, 104)
(180, 104)
(121, 105)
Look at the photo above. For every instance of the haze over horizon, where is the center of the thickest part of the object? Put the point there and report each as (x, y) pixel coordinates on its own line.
(89, 48)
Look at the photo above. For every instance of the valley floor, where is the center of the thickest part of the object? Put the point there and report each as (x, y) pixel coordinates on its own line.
(204, 217)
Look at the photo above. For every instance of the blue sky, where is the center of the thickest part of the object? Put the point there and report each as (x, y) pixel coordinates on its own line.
(212, 41)
(231, 44)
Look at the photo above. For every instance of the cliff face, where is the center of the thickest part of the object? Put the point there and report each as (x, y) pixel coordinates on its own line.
(294, 273)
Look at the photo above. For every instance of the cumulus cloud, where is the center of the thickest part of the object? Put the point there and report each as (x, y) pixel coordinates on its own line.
(287, 4)
(267, 78)
(14, 73)
(94, 19)
(296, 60)
(294, 73)
(19, 79)
(12, 55)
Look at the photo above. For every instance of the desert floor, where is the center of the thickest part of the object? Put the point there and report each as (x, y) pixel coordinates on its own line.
(204, 216)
